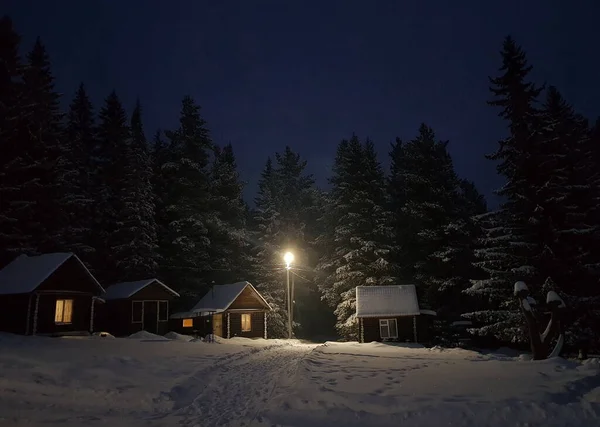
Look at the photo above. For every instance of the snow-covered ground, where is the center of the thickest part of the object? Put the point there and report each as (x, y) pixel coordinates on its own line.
(150, 381)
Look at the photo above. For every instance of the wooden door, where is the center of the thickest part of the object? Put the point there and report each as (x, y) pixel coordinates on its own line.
(218, 324)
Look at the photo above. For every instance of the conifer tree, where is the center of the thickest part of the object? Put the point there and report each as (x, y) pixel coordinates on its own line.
(77, 195)
(14, 203)
(230, 247)
(110, 158)
(282, 217)
(509, 246)
(185, 177)
(135, 242)
(356, 247)
(44, 169)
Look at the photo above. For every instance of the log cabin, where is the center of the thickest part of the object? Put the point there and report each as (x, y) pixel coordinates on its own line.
(131, 307)
(50, 294)
(392, 313)
(232, 310)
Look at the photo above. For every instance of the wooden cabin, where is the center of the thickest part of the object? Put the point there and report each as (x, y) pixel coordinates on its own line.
(136, 306)
(49, 294)
(233, 310)
(392, 313)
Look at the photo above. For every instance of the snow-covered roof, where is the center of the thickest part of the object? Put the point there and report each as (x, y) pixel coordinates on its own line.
(26, 273)
(377, 301)
(127, 289)
(220, 297)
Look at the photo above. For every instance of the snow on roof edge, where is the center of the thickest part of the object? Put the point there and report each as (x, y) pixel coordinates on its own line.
(124, 290)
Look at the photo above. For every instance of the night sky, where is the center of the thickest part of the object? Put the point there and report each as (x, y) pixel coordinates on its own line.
(309, 73)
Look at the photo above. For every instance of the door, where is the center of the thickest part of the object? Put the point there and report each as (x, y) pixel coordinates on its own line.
(151, 316)
(218, 324)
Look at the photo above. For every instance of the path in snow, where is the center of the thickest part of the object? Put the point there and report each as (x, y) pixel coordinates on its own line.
(236, 390)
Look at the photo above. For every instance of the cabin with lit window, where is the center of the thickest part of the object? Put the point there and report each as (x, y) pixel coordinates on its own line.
(49, 294)
(392, 313)
(227, 311)
(131, 307)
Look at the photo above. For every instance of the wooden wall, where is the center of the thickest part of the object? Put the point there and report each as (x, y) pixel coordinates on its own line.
(248, 299)
(13, 313)
(405, 329)
(81, 316)
(235, 325)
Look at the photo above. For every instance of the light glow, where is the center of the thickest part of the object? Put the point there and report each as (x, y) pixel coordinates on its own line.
(288, 258)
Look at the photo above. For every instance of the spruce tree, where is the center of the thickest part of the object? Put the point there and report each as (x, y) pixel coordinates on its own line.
(110, 159)
(185, 245)
(283, 215)
(44, 167)
(510, 243)
(432, 222)
(356, 248)
(15, 204)
(135, 242)
(77, 195)
(230, 248)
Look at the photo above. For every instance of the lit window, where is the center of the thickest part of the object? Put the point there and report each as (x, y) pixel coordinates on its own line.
(388, 328)
(63, 314)
(246, 322)
(188, 323)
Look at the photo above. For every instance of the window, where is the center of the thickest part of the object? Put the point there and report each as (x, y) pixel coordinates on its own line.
(188, 323)
(63, 314)
(163, 311)
(137, 311)
(388, 328)
(246, 322)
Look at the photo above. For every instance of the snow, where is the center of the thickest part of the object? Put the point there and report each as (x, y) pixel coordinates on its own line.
(520, 286)
(143, 335)
(128, 289)
(25, 273)
(120, 382)
(375, 301)
(178, 337)
(553, 297)
(220, 297)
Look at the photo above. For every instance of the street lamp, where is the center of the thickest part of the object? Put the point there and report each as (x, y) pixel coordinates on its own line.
(288, 258)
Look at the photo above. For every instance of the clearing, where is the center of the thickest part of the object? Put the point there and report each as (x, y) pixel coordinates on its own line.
(152, 381)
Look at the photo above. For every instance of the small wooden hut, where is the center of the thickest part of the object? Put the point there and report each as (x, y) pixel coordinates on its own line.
(49, 294)
(392, 313)
(232, 310)
(136, 306)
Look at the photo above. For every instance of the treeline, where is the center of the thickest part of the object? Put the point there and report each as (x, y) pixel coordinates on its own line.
(172, 207)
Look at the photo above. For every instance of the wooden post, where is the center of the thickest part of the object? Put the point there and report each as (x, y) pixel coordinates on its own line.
(92, 316)
(35, 313)
(415, 328)
(228, 327)
(362, 330)
(265, 325)
(28, 321)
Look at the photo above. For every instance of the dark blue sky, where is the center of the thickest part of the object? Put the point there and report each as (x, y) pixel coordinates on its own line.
(309, 73)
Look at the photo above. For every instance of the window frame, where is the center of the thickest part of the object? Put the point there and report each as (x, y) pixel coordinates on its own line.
(386, 323)
(133, 312)
(249, 325)
(62, 321)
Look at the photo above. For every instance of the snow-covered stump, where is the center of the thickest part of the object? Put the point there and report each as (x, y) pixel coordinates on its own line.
(540, 342)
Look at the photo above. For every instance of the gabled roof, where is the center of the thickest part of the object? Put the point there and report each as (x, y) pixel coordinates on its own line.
(26, 273)
(127, 289)
(220, 297)
(378, 301)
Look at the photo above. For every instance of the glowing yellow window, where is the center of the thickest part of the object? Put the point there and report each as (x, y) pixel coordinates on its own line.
(63, 314)
(188, 323)
(246, 322)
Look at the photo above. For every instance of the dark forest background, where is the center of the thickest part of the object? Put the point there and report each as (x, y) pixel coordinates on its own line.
(90, 179)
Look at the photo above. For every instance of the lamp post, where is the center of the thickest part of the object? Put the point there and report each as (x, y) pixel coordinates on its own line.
(289, 258)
